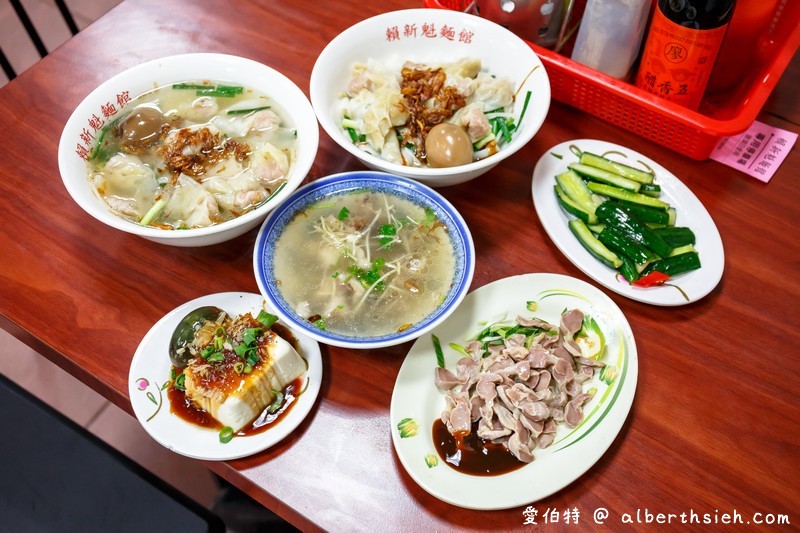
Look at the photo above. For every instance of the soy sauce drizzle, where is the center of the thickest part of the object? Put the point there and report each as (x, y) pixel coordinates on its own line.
(183, 408)
(471, 454)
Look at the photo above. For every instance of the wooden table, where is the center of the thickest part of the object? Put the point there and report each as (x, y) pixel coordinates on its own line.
(713, 426)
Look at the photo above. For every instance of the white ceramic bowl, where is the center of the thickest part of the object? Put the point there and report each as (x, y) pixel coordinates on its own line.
(82, 127)
(301, 199)
(401, 35)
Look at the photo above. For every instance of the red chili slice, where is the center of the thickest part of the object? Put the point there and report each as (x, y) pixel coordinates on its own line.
(652, 279)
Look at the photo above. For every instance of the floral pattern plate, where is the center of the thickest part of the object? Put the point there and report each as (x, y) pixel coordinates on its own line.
(684, 289)
(417, 403)
(149, 379)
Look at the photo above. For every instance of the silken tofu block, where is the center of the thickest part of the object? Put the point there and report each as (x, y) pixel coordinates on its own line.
(234, 399)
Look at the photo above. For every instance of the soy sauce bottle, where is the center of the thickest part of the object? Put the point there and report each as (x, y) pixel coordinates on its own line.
(681, 47)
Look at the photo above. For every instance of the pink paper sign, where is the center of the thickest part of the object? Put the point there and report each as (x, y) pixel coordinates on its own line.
(759, 151)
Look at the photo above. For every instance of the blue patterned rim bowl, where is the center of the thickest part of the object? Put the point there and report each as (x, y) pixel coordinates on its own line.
(302, 198)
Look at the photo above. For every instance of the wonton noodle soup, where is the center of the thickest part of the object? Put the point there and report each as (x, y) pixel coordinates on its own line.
(364, 264)
(192, 155)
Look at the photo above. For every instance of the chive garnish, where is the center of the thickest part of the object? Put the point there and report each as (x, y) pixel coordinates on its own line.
(437, 347)
(226, 434)
(267, 319)
(246, 111)
(524, 108)
(275, 405)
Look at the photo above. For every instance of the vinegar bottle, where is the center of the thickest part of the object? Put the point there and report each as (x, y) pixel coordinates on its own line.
(681, 47)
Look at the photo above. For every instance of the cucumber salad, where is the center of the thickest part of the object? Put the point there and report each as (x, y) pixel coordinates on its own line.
(621, 220)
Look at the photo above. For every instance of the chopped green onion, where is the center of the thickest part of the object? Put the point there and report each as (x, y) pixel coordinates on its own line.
(480, 143)
(251, 335)
(246, 111)
(343, 214)
(504, 130)
(219, 90)
(279, 189)
(219, 343)
(180, 382)
(241, 350)
(353, 134)
(238, 367)
(206, 352)
(321, 324)
(524, 108)
(350, 123)
(247, 369)
(191, 86)
(216, 357)
(430, 218)
(153, 212)
(437, 347)
(460, 349)
(226, 435)
(267, 319)
(275, 405)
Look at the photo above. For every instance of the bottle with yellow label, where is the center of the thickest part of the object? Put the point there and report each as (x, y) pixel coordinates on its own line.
(681, 47)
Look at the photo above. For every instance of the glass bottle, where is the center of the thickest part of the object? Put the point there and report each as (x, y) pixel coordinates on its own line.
(681, 47)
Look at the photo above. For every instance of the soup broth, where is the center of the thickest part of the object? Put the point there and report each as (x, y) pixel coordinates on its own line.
(192, 155)
(364, 264)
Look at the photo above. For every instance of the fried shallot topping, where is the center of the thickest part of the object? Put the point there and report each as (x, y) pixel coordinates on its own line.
(193, 151)
(429, 102)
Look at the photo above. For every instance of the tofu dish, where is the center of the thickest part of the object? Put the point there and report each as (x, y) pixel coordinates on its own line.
(236, 374)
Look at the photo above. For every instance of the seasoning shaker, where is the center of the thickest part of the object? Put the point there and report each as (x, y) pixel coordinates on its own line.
(537, 21)
(610, 35)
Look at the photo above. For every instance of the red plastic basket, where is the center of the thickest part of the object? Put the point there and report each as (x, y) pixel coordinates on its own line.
(692, 133)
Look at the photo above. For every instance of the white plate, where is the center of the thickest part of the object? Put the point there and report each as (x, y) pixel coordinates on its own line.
(416, 397)
(690, 213)
(150, 370)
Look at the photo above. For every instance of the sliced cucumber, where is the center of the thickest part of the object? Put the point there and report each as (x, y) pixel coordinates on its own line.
(615, 217)
(677, 264)
(570, 206)
(575, 188)
(622, 169)
(628, 196)
(677, 236)
(592, 245)
(628, 269)
(683, 250)
(604, 176)
(650, 190)
(648, 215)
(623, 246)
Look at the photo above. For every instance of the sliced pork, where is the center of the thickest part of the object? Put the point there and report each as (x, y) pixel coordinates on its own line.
(516, 389)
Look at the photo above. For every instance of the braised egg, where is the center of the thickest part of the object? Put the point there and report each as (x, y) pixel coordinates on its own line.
(448, 145)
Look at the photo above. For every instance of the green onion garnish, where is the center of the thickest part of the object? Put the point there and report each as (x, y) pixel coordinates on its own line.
(153, 212)
(343, 214)
(275, 405)
(246, 111)
(226, 434)
(437, 347)
(524, 108)
(266, 318)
